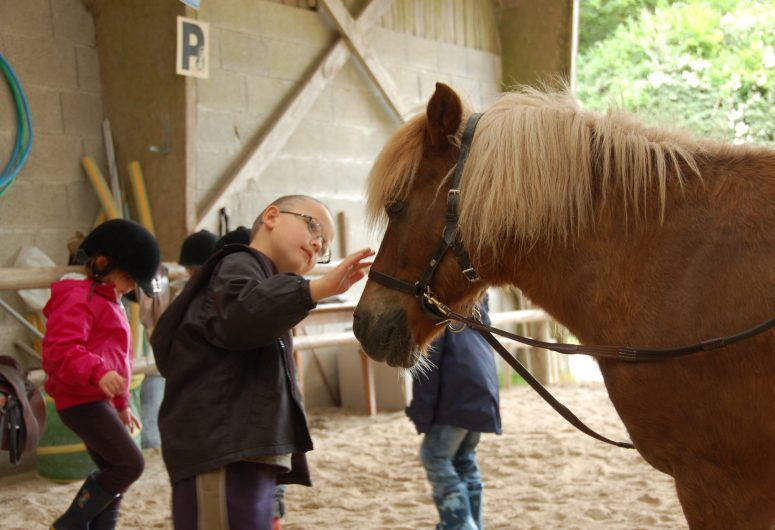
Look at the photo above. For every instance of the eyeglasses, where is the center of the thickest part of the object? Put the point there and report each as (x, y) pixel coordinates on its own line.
(316, 231)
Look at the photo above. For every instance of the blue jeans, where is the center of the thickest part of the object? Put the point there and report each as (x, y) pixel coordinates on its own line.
(449, 456)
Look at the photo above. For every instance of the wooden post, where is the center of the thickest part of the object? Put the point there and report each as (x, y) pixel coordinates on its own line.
(341, 231)
(369, 393)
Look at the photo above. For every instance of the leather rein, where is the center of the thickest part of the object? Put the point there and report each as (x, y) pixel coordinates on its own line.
(437, 310)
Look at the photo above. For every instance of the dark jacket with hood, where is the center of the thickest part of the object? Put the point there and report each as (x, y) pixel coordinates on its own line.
(224, 347)
(461, 389)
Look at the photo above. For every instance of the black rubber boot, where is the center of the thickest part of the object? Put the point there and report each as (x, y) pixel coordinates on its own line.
(107, 519)
(90, 500)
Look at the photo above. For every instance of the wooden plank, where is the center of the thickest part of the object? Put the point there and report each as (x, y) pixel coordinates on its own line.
(12, 279)
(369, 392)
(255, 158)
(354, 37)
(469, 22)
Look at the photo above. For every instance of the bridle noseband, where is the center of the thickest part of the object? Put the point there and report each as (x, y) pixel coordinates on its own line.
(421, 290)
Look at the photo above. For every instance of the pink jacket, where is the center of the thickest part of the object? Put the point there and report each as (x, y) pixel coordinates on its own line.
(87, 335)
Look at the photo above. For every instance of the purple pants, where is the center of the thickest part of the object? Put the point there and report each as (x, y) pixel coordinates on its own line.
(236, 497)
(108, 442)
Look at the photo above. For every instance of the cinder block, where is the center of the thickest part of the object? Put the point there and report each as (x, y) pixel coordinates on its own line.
(26, 17)
(355, 107)
(7, 118)
(211, 167)
(347, 74)
(224, 90)
(315, 177)
(216, 131)
(54, 158)
(73, 22)
(323, 108)
(483, 65)
(279, 178)
(266, 94)
(245, 53)
(309, 141)
(82, 113)
(408, 83)
(389, 46)
(53, 241)
(45, 110)
(93, 146)
(373, 142)
(452, 59)
(82, 203)
(239, 16)
(290, 23)
(88, 68)
(422, 53)
(28, 205)
(43, 62)
(291, 60)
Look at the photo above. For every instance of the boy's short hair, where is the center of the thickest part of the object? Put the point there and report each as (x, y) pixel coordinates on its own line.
(283, 203)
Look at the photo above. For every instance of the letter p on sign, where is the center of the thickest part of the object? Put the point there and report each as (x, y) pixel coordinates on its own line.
(193, 48)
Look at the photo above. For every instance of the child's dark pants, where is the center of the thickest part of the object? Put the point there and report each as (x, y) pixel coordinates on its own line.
(109, 444)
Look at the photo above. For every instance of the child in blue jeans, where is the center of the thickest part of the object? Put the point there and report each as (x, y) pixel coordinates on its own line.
(452, 405)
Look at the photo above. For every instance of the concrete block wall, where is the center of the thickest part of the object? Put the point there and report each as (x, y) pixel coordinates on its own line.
(260, 52)
(51, 47)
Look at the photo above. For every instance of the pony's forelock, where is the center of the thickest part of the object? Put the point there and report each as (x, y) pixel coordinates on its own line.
(393, 172)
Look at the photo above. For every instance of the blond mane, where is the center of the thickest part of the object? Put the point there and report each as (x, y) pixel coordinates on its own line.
(540, 167)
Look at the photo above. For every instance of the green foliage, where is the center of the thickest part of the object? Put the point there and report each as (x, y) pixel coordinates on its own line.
(706, 65)
(599, 18)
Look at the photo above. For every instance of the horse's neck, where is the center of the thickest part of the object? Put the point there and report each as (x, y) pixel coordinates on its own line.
(604, 285)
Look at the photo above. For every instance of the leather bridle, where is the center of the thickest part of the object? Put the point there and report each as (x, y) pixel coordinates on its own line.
(421, 290)
(437, 310)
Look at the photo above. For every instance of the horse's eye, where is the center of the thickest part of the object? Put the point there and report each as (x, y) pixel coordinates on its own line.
(394, 207)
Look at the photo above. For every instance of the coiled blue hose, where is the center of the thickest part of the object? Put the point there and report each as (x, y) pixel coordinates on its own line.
(21, 148)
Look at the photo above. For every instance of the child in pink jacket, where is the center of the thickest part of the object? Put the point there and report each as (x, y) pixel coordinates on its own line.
(87, 355)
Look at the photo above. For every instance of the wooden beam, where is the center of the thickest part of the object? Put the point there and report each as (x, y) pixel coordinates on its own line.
(353, 33)
(259, 155)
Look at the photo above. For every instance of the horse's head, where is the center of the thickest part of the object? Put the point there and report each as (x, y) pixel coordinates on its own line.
(408, 187)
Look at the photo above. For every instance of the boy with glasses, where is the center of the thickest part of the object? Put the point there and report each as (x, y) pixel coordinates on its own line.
(232, 422)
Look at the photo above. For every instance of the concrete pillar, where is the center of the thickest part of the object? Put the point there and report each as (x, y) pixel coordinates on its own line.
(147, 104)
(537, 40)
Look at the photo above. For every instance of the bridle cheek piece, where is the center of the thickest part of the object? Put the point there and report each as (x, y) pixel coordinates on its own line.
(421, 290)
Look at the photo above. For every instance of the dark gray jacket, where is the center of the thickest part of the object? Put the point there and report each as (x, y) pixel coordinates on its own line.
(224, 347)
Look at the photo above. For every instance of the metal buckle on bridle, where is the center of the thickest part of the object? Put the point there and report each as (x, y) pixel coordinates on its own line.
(471, 275)
(429, 297)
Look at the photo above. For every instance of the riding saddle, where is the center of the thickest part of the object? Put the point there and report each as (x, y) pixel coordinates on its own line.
(22, 410)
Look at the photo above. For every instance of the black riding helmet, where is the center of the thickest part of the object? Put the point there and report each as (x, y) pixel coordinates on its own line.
(240, 235)
(196, 248)
(128, 247)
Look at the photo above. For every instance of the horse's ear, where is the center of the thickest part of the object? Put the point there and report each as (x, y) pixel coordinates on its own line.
(445, 111)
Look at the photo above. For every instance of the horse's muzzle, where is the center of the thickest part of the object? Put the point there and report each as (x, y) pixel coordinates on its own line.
(385, 338)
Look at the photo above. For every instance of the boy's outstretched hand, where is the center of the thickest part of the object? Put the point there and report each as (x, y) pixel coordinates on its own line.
(349, 271)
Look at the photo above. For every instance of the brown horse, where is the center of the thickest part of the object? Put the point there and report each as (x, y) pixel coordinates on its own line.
(626, 234)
